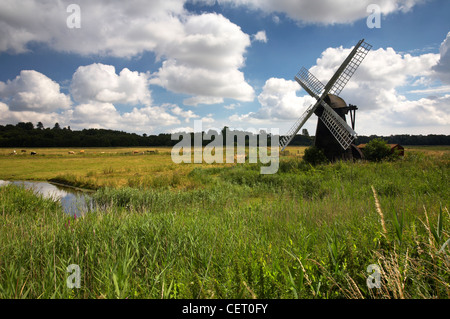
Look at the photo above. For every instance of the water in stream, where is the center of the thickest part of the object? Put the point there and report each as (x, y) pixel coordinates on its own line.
(72, 200)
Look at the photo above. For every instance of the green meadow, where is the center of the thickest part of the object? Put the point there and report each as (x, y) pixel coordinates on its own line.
(165, 230)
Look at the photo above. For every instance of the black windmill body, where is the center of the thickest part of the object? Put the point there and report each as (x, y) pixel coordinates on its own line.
(333, 135)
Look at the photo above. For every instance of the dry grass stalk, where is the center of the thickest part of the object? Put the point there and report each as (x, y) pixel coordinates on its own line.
(250, 291)
(390, 271)
(380, 212)
(427, 226)
(355, 292)
(306, 276)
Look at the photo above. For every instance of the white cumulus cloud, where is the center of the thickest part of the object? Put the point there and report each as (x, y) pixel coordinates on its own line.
(187, 115)
(202, 54)
(33, 91)
(99, 82)
(443, 67)
(260, 36)
(279, 101)
(105, 115)
(48, 119)
(205, 60)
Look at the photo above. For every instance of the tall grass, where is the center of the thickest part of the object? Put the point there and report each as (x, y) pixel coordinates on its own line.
(306, 232)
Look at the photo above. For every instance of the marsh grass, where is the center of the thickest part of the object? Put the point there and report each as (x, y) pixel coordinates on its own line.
(229, 232)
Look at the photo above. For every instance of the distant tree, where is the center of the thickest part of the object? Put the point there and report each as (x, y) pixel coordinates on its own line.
(40, 126)
(25, 126)
(57, 126)
(305, 132)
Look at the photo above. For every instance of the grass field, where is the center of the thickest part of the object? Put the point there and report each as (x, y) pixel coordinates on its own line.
(225, 230)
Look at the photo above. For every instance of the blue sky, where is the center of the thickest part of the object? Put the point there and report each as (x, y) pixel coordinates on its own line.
(157, 66)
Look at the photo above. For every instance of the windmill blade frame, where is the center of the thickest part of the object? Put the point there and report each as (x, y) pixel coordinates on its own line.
(347, 69)
(341, 131)
(309, 83)
(284, 141)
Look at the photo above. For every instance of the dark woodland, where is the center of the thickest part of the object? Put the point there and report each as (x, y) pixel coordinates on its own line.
(28, 135)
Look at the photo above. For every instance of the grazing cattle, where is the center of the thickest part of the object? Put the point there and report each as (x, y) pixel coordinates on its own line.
(13, 153)
(136, 152)
(71, 152)
(82, 151)
(33, 153)
(23, 151)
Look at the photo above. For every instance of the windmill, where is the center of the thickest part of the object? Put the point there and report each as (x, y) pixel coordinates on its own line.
(333, 135)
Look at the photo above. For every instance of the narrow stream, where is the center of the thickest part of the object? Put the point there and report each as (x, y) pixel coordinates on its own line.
(73, 201)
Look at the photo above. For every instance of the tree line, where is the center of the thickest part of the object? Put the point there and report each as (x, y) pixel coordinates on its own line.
(27, 135)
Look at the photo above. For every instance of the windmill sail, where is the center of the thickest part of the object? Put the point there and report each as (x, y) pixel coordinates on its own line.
(315, 88)
(284, 141)
(341, 131)
(347, 69)
(310, 83)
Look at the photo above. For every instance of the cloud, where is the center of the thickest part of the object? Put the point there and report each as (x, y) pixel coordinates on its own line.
(33, 91)
(185, 129)
(105, 115)
(108, 28)
(325, 12)
(98, 87)
(278, 101)
(202, 54)
(413, 117)
(383, 67)
(204, 61)
(48, 119)
(260, 36)
(187, 115)
(231, 106)
(180, 78)
(196, 100)
(442, 68)
(99, 82)
(33, 97)
(208, 119)
(433, 90)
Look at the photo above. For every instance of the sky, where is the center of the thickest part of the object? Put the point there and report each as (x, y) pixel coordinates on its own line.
(157, 66)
